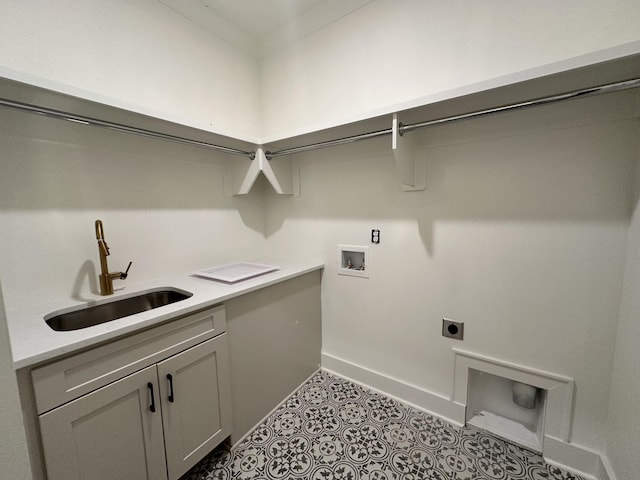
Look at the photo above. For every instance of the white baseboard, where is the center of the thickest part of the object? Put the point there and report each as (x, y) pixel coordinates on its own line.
(574, 458)
(412, 395)
(605, 471)
(571, 457)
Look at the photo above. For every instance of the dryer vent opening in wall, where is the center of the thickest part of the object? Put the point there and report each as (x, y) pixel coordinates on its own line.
(494, 404)
(353, 261)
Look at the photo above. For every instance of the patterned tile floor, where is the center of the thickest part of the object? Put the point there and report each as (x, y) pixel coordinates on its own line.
(332, 429)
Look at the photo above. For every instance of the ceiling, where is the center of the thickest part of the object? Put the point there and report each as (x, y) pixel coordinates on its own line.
(258, 17)
(261, 26)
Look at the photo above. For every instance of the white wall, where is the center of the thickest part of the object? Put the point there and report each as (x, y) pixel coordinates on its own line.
(163, 206)
(14, 461)
(520, 233)
(394, 51)
(137, 54)
(624, 420)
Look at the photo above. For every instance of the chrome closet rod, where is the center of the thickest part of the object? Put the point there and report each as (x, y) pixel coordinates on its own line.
(328, 143)
(585, 92)
(49, 112)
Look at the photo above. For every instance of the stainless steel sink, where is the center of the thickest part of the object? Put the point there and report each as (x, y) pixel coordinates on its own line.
(106, 312)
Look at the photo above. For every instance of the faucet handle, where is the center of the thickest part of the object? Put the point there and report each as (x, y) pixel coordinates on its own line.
(124, 274)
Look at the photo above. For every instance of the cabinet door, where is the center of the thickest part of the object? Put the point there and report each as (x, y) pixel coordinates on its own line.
(108, 434)
(196, 403)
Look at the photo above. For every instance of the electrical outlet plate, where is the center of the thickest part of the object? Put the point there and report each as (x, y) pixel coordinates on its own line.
(452, 329)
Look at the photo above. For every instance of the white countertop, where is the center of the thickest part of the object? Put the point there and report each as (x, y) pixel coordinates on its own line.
(33, 341)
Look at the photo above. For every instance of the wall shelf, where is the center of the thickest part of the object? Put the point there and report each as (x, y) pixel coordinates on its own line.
(37, 96)
(599, 68)
(605, 67)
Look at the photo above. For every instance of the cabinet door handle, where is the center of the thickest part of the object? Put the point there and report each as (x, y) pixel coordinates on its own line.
(170, 378)
(152, 407)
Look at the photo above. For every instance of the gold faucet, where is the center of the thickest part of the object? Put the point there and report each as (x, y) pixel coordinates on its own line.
(106, 278)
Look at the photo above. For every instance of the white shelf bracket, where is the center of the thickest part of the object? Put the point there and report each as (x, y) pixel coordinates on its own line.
(281, 172)
(242, 173)
(412, 172)
(283, 175)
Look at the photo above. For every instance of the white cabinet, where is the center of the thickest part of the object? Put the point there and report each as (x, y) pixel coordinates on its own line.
(154, 423)
(195, 398)
(107, 434)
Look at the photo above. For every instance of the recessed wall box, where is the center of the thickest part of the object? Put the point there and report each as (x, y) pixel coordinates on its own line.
(491, 407)
(452, 329)
(353, 261)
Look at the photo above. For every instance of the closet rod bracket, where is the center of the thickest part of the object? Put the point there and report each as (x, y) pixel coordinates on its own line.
(281, 173)
(412, 169)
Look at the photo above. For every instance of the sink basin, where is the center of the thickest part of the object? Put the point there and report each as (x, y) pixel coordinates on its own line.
(106, 312)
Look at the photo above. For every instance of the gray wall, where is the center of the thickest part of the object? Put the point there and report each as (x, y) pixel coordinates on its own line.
(624, 420)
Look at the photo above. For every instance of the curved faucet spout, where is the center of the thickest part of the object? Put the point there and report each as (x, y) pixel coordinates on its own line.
(99, 232)
(102, 244)
(106, 277)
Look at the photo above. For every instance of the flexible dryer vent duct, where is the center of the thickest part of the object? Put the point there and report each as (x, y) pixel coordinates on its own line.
(524, 395)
